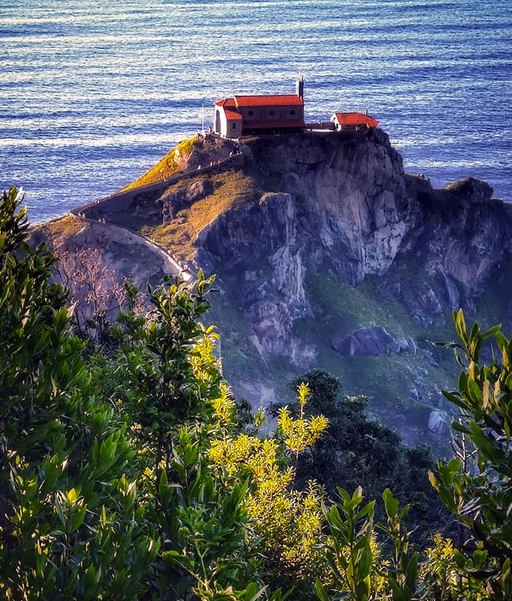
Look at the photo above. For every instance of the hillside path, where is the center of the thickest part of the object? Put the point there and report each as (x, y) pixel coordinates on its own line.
(126, 197)
(174, 267)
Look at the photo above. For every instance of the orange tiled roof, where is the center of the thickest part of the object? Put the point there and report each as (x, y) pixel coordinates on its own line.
(233, 115)
(226, 102)
(356, 119)
(282, 100)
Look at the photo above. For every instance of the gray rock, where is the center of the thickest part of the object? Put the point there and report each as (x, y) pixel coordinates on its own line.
(430, 358)
(439, 422)
(452, 292)
(403, 345)
(373, 341)
(395, 289)
(428, 301)
(423, 321)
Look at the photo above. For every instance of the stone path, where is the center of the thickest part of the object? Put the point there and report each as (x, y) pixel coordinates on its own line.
(176, 268)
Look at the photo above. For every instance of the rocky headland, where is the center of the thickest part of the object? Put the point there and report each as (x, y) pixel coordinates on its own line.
(327, 255)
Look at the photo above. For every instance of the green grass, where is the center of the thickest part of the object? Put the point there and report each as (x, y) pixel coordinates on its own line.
(458, 184)
(168, 166)
(241, 358)
(339, 309)
(358, 306)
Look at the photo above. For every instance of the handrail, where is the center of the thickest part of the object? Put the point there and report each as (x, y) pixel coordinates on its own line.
(181, 271)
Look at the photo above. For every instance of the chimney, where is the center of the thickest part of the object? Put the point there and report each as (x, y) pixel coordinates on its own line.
(299, 86)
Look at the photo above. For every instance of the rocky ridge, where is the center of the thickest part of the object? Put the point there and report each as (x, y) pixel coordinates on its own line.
(323, 238)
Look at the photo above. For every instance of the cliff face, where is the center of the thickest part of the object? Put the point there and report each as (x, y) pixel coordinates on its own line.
(345, 207)
(345, 197)
(336, 243)
(324, 247)
(461, 232)
(354, 201)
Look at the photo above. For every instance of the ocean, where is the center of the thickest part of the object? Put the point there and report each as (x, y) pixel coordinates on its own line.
(92, 93)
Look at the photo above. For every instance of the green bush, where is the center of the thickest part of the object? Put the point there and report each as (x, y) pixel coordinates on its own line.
(476, 486)
(126, 471)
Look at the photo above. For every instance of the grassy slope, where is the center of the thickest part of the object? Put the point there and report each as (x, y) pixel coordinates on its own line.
(166, 167)
(231, 189)
(343, 308)
(338, 309)
(61, 229)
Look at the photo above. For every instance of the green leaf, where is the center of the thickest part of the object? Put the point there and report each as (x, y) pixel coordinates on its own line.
(320, 591)
(455, 398)
(364, 562)
(252, 592)
(491, 332)
(163, 484)
(60, 513)
(78, 518)
(390, 503)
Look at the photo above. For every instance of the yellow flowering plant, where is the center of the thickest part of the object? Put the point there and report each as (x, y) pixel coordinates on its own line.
(303, 432)
(286, 523)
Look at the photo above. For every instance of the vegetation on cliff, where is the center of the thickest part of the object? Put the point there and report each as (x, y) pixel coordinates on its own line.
(128, 473)
(227, 190)
(171, 164)
(315, 238)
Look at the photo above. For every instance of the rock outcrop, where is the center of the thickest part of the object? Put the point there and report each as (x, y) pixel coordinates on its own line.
(350, 195)
(461, 233)
(342, 208)
(373, 341)
(303, 230)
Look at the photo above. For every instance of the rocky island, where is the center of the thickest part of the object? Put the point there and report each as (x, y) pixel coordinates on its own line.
(327, 254)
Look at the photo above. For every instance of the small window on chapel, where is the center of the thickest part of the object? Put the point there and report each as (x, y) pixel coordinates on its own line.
(234, 126)
(250, 113)
(292, 112)
(271, 113)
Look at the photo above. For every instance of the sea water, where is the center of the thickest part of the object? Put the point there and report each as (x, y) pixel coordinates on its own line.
(93, 93)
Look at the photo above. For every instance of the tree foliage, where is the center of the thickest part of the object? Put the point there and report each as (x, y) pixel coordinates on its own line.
(69, 517)
(476, 486)
(359, 451)
(127, 473)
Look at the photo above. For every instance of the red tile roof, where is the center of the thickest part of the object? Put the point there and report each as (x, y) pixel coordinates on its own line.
(227, 102)
(283, 100)
(233, 115)
(356, 119)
